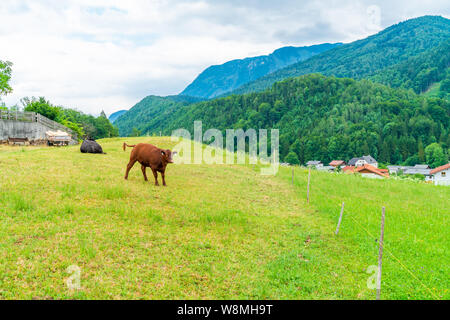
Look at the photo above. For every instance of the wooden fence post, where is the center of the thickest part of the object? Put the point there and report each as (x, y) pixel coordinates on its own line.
(340, 219)
(309, 178)
(292, 175)
(380, 255)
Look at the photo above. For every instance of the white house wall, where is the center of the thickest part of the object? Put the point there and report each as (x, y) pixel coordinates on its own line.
(440, 180)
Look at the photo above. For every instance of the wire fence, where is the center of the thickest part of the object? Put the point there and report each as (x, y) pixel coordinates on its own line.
(362, 228)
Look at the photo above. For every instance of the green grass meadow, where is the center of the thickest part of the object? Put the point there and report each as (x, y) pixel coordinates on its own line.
(215, 232)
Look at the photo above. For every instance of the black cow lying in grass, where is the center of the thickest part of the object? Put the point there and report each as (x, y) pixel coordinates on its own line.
(91, 146)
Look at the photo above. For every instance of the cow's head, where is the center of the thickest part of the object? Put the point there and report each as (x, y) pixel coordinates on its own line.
(167, 155)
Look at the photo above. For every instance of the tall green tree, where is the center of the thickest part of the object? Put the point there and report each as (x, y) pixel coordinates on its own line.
(291, 158)
(435, 155)
(5, 77)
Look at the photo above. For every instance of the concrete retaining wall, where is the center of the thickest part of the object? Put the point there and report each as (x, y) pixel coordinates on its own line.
(34, 131)
(19, 129)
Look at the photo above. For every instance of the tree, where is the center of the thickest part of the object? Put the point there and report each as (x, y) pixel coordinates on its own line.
(135, 133)
(412, 161)
(5, 76)
(445, 86)
(435, 156)
(291, 158)
(82, 124)
(421, 152)
(297, 148)
(41, 106)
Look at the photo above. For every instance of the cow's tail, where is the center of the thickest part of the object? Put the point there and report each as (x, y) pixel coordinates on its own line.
(125, 145)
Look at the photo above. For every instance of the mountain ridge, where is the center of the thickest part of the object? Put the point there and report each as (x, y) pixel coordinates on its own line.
(220, 79)
(115, 115)
(365, 57)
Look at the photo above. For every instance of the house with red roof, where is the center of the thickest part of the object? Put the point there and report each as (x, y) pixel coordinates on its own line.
(441, 175)
(337, 163)
(368, 171)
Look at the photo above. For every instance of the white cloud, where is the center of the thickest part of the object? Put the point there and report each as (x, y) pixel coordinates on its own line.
(108, 55)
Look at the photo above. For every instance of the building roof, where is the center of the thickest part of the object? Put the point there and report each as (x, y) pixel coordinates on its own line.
(417, 171)
(395, 167)
(352, 161)
(421, 166)
(369, 159)
(336, 163)
(372, 169)
(313, 162)
(329, 168)
(349, 169)
(441, 168)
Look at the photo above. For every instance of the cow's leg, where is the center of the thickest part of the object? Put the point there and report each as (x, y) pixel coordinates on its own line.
(143, 172)
(155, 174)
(129, 166)
(163, 178)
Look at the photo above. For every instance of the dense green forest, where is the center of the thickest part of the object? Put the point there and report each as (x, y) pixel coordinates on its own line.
(369, 56)
(330, 118)
(82, 124)
(420, 72)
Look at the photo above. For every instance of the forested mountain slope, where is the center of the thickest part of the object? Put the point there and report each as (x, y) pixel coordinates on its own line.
(220, 79)
(418, 72)
(150, 113)
(330, 118)
(367, 57)
(113, 117)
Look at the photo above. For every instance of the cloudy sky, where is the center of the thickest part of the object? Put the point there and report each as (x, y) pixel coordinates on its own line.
(108, 54)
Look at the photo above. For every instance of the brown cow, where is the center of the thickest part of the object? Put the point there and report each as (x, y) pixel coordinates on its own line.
(151, 156)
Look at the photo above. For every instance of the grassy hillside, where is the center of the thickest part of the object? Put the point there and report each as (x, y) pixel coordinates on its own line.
(216, 231)
(366, 57)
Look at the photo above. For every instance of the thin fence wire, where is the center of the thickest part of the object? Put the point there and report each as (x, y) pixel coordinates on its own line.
(393, 256)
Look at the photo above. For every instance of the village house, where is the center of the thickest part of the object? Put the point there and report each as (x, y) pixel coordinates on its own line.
(314, 163)
(370, 171)
(358, 162)
(326, 168)
(441, 175)
(422, 169)
(397, 169)
(337, 163)
(367, 171)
